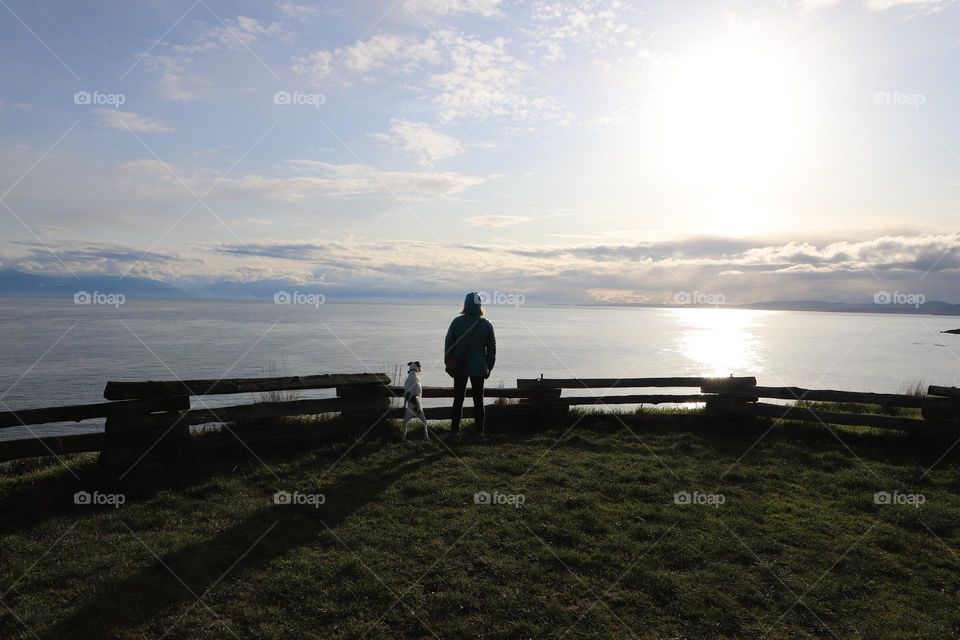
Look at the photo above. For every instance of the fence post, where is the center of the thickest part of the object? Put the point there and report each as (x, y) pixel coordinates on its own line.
(731, 392)
(941, 409)
(365, 407)
(546, 408)
(137, 441)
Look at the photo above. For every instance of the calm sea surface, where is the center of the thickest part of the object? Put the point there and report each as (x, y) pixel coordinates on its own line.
(57, 353)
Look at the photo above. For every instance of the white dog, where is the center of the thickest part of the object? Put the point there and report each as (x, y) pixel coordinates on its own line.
(412, 392)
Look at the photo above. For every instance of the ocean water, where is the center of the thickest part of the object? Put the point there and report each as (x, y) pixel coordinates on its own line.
(53, 352)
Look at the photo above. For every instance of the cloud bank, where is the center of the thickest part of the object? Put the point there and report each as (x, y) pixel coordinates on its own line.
(741, 271)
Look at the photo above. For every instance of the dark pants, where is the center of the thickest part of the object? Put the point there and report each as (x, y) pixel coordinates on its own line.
(459, 391)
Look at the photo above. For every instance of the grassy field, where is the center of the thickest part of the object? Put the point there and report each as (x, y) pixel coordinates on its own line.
(780, 539)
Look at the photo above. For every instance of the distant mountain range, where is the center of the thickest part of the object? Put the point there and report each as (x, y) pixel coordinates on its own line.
(17, 284)
(931, 307)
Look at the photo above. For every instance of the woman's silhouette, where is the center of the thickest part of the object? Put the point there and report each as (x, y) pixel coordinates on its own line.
(469, 351)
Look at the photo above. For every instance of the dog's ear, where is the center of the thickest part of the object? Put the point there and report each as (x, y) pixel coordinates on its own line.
(409, 364)
(417, 362)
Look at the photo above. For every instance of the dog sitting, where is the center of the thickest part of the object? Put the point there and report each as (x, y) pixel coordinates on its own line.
(412, 392)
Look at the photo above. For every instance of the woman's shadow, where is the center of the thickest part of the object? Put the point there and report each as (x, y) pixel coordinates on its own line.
(179, 579)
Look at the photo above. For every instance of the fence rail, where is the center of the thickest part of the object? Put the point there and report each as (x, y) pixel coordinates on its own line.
(154, 417)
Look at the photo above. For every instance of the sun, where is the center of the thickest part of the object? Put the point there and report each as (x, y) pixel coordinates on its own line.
(731, 121)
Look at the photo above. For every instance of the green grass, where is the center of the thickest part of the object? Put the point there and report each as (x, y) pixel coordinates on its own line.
(599, 549)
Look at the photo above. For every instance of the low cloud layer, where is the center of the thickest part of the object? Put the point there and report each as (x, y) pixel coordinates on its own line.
(740, 271)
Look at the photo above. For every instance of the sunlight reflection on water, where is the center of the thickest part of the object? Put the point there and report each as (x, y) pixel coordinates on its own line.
(722, 341)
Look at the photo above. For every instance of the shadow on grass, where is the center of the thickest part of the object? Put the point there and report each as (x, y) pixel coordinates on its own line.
(733, 437)
(156, 590)
(38, 490)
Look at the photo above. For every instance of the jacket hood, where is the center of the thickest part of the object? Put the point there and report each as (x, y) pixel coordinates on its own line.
(471, 304)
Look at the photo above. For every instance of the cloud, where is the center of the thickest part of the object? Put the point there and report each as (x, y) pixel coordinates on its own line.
(19, 106)
(849, 271)
(924, 5)
(174, 63)
(420, 140)
(596, 25)
(241, 33)
(128, 120)
(304, 13)
(617, 296)
(486, 8)
(297, 181)
(813, 5)
(351, 180)
(495, 222)
(466, 77)
(615, 118)
(367, 56)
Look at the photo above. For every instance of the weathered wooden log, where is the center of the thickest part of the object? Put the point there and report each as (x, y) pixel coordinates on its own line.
(828, 395)
(947, 392)
(782, 412)
(632, 399)
(368, 409)
(490, 411)
(50, 445)
(129, 447)
(258, 411)
(447, 392)
(150, 389)
(369, 391)
(736, 386)
(81, 412)
(613, 383)
(941, 410)
(297, 433)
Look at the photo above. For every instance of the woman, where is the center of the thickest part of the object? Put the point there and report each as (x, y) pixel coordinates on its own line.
(469, 351)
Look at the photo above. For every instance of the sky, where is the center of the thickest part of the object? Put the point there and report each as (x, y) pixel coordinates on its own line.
(580, 151)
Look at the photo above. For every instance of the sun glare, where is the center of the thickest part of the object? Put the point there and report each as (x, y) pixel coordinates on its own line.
(731, 123)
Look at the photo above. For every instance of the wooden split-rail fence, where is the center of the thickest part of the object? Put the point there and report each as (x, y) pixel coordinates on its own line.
(150, 421)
